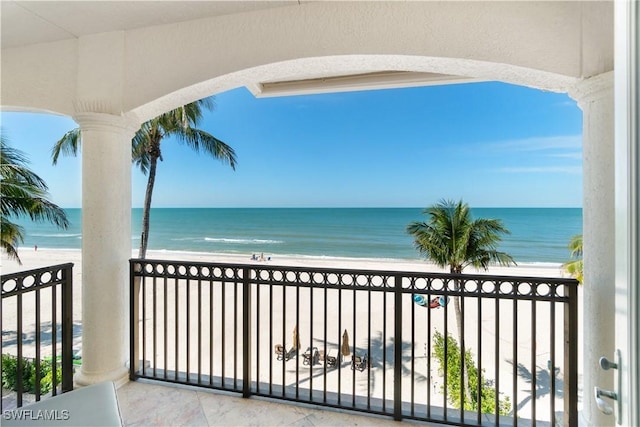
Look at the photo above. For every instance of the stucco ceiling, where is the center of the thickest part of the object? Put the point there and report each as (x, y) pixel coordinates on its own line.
(31, 22)
(57, 55)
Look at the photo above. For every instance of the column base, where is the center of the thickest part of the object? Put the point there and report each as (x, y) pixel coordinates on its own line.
(119, 377)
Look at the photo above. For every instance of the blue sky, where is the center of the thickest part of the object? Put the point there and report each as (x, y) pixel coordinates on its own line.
(490, 144)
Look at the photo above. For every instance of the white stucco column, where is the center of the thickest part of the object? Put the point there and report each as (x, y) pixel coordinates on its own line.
(595, 98)
(106, 245)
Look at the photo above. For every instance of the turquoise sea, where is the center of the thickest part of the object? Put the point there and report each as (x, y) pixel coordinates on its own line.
(538, 235)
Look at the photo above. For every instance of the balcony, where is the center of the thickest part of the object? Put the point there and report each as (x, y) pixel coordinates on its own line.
(350, 340)
(330, 337)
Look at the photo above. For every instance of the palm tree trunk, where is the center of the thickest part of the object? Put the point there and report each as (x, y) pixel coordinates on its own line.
(463, 367)
(144, 238)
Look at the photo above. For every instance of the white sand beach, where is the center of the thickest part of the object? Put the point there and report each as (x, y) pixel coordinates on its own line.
(45, 257)
(312, 322)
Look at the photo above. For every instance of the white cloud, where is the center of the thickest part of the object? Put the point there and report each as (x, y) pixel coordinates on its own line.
(563, 142)
(573, 155)
(573, 170)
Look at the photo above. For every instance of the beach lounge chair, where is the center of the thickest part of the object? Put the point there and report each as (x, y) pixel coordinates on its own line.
(328, 359)
(310, 356)
(436, 302)
(281, 354)
(359, 362)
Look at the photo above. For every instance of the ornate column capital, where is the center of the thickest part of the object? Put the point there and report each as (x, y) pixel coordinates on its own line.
(588, 90)
(104, 122)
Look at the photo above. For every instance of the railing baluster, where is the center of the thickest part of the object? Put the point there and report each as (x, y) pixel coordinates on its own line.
(155, 326)
(397, 351)
(369, 347)
(37, 339)
(340, 356)
(311, 359)
(446, 351)
(235, 332)
(479, 343)
(20, 362)
(326, 354)
(515, 355)
(187, 332)
(534, 368)
(1, 347)
(246, 332)
(463, 350)
(223, 322)
(144, 327)
(166, 327)
(211, 330)
(552, 368)
(54, 339)
(384, 352)
(67, 329)
(428, 355)
(298, 337)
(355, 346)
(257, 327)
(497, 355)
(177, 328)
(199, 330)
(571, 356)
(284, 337)
(413, 358)
(133, 321)
(270, 337)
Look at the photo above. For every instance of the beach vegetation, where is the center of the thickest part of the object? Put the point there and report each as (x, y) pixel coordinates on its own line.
(10, 374)
(452, 239)
(181, 124)
(575, 267)
(482, 391)
(22, 194)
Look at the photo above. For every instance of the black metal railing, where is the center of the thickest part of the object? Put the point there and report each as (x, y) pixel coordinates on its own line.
(370, 339)
(37, 332)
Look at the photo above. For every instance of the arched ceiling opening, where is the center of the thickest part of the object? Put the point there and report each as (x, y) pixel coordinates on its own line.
(93, 57)
(357, 72)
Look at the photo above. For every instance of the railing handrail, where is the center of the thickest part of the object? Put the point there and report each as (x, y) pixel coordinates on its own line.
(444, 277)
(390, 273)
(20, 275)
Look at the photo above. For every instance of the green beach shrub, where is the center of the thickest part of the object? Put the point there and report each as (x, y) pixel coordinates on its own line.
(10, 374)
(452, 361)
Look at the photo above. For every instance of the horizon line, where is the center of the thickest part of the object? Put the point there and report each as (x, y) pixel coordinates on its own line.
(341, 207)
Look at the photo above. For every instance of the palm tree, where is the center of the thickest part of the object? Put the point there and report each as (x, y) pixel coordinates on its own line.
(451, 238)
(146, 151)
(575, 267)
(22, 193)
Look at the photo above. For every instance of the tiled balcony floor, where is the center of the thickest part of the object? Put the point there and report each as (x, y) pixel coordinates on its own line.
(150, 404)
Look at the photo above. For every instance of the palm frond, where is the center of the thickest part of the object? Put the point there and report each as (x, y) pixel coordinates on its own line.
(68, 145)
(452, 238)
(200, 140)
(575, 268)
(11, 235)
(139, 143)
(22, 193)
(575, 246)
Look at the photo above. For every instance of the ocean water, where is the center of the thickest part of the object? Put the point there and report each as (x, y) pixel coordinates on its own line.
(538, 235)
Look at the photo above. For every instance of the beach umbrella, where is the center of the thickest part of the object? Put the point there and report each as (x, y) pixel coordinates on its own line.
(345, 344)
(296, 338)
